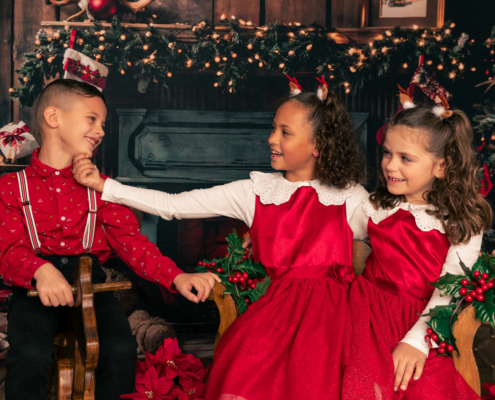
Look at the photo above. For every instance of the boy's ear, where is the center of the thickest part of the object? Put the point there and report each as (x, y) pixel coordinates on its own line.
(440, 168)
(51, 118)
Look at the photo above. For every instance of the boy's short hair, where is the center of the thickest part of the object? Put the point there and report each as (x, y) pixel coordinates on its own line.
(59, 94)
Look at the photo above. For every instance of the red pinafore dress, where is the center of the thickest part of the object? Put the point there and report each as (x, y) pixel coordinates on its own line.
(291, 343)
(385, 302)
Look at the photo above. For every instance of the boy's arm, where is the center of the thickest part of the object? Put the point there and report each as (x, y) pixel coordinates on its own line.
(18, 262)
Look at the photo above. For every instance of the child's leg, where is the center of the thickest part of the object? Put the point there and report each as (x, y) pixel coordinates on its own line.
(440, 381)
(31, 329)
(118, 349)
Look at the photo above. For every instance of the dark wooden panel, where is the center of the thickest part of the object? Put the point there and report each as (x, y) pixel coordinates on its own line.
(303, 11)
(346, 14)
(190, 11)
(69, 10)
(246, 10)
(5, 60)
(27, 21)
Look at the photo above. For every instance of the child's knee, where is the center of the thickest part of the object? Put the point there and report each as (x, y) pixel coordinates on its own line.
(30, 356)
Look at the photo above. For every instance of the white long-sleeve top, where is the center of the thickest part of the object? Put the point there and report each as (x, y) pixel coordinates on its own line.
(467, 252)
(235, 200)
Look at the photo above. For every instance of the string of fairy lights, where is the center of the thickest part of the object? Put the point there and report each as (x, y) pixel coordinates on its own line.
(236, 49)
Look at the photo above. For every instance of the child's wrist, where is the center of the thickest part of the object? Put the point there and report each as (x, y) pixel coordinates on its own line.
(99, 187)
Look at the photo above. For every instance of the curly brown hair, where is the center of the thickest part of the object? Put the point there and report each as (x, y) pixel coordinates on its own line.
(340, 161)
(459, 206)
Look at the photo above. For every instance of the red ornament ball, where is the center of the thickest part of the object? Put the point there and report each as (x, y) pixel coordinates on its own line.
(427, 338)
(480, 297)
(490, 285)
(105, 9)
(434, 337)
(484, 287)
(238, 274)
(242, 279)
(429, 331)
(464, 282)
(220, 271)
(229, 279)
(248, 300)
(479, 291)
(484, 275)
(246, 252)
(443, 345)
(245, 275)
(477, 274)
(450, 347)
(213, 264)
(227, 255)
(481, 281)
(441, 350)
(463, 291)
(235, 279)
(469, 298)
(473, 293)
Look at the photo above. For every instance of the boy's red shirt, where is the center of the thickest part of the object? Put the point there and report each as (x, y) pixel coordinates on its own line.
(60, 208)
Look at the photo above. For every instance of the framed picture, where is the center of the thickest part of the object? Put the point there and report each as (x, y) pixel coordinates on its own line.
(389, 13)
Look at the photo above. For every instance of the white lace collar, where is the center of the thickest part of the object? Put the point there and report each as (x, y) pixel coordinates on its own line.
(273, 188)
(424, 221)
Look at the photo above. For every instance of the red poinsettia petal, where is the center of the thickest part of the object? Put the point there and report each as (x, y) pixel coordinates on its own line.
(134, 396)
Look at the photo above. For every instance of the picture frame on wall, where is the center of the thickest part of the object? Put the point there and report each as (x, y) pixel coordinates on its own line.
(390, 13)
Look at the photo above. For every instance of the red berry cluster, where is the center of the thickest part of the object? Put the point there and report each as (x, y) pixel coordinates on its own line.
(211, 267)
(432, 336)
(478, 287)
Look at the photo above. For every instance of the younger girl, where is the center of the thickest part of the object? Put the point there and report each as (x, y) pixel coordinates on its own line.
(291, 343)
(427, 217)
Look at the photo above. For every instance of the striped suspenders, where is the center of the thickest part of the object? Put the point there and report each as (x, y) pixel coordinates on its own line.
(89, 232)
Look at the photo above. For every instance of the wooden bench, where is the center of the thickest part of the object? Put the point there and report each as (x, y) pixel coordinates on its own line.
(464, 329)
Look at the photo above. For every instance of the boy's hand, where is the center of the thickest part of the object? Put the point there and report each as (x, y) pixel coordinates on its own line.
(406, 359)
(53, 288)
(203, 283)
(86, 173)
(246, 244)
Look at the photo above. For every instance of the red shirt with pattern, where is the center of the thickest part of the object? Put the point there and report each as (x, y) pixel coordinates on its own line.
(60, 208)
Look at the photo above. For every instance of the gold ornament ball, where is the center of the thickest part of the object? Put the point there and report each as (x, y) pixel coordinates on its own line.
(230, 90)
(66, 45)
(230, 83)
(98, 56)
(461, 66)
(179, 51)
(405, 65)
(224, 58)
(384, 50)
(281, 65)
(101, 38)
(122, 37)
(11, 90)
(440, 67)
(352, 69)
(234, 55)
(207, 65)
(169, 74)
(250, 60)
(219, 73)
(170, 45)
(348, 90)
(451, 75)
(429, 62)
(309, 47)
(38, 55)
(217, 59)
(37, 43)
(454, 61)
(346, 84)
(152, 57)
(129, 63)
(473, 69)
(257, 56)
(250, 46)
(49, 38)
(122, 71)
(260, 64)
(145, 47)
(56, 35)
(215, 84)
(146, 61)
(148, 34)
(291, 53)
(50, 59)
(80, 42)
(101, 47)
(25, 79)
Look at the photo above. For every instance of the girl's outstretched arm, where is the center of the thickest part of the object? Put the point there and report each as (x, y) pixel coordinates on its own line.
(412, 351)
(356, 217)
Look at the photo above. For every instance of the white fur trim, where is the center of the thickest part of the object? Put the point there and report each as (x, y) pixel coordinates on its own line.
(295, 92)
(408, 104)
(438, 111)
(273, 188)
(319, 93)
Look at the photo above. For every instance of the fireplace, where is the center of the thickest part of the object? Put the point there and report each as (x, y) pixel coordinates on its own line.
(176, 151)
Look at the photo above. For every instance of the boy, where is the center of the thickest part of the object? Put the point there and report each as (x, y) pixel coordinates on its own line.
(71, 118)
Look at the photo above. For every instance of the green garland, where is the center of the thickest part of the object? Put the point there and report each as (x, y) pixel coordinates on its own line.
(479, 280)
(237, 53)
(245, 280)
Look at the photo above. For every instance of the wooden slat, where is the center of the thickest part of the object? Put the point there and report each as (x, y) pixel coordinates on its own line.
(190, 11)
(241, 9)
(27, 20)
(5, 61)
(346, 14)
(303, 11)
(69, 10)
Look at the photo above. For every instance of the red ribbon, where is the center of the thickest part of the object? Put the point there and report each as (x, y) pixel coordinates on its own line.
(8, 137)
(486, 183)
(72, 38)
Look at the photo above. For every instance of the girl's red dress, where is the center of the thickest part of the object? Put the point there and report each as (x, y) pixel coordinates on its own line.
(385, 303)
(291, 343)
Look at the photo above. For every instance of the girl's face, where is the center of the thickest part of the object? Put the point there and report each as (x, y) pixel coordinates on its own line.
(291, 143)
(408, 168)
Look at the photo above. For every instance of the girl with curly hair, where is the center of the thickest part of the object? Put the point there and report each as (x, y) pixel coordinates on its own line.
(290, 344)
(427, 217)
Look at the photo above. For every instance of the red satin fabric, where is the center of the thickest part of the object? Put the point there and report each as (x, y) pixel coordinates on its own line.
(291, 344)
(385, 303)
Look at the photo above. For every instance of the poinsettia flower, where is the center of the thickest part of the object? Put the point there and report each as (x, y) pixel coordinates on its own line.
(149, 386)
(177, 393)
(490, 391)
(189, 364)
(165, 356)
(195, 388)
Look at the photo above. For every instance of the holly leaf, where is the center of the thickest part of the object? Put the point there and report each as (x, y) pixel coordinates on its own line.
(440, 322)
(259, 291)
(449, 284)
(235, 250)
(485, 310)
(482, 265)
(241, 303)
(466, 270)
(441, 311)
(254, 270)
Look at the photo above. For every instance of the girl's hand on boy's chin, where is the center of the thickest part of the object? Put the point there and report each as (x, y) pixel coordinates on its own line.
(407, 359)
(86, 173)
(203, 283)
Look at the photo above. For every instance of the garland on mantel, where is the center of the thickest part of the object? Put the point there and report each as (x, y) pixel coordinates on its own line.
(234, 54)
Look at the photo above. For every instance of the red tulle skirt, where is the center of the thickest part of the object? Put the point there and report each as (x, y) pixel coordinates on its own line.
(380, 320)
(289, 345)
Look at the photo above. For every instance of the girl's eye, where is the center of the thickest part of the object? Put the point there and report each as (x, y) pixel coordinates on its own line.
(92, 118)
(286, 133)
(386, 152)
(405, 158)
